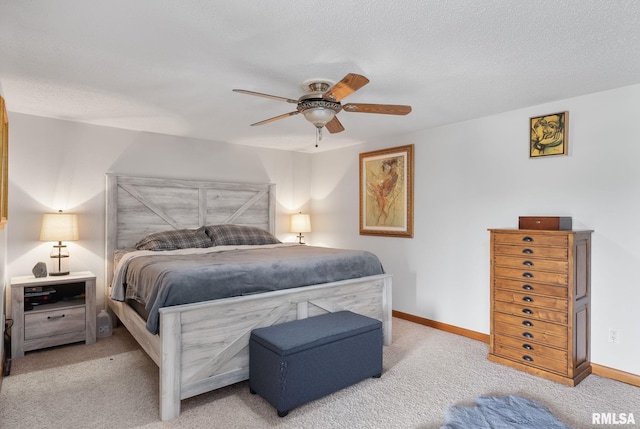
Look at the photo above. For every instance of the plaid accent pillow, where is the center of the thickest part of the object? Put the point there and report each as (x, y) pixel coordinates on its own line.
(229, 234)
(176, 239)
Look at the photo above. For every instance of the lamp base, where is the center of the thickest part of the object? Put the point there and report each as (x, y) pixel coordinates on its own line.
(59, 261)
(65, 273)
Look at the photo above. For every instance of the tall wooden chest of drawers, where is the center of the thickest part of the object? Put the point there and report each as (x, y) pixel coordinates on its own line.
(540, 302)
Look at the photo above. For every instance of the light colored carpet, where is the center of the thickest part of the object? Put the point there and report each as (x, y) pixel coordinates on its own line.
(113, 384)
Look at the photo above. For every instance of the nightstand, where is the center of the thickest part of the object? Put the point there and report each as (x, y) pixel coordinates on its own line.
(54, 310)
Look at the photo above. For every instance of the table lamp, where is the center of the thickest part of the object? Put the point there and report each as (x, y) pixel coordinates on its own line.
(59, 227)
(300, 223)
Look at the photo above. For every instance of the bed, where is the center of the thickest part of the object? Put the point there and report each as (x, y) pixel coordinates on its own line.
(203, 346)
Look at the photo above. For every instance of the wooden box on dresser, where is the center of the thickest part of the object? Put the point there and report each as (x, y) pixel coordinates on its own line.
(69, 320)
(540, 302)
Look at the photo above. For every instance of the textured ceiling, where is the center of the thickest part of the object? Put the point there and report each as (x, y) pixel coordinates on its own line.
(170, 66)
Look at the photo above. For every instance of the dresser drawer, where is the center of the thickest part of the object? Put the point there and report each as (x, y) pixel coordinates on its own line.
(531, 312)
(527, 263)
(61, 321)
(532, 251)
(530, 359)
(531, 239)
(531, 348)
(531, 324)
(524, 286)
(525, 333)
(532, 275)
(531, 300)
(529, 335)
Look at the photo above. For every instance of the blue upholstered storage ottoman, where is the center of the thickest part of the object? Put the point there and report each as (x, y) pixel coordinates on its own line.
(295, 362)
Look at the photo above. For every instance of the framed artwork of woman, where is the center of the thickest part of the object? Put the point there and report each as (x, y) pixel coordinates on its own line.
(386, 192)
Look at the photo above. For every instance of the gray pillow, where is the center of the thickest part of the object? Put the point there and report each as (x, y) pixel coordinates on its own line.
(230, 234)
(175, 239)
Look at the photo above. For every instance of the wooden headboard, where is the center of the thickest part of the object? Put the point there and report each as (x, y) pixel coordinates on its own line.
(138, 206)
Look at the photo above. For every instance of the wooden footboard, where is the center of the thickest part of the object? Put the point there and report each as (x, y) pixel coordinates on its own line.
(205, 346)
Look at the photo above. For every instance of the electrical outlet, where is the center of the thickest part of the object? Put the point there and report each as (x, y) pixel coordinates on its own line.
(613, 336)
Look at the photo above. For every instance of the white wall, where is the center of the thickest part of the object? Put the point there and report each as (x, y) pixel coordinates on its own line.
(3, 287)
(475, 175)
(58, 164)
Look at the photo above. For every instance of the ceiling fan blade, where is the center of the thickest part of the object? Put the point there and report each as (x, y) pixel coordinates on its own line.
(348, 85)
(334, 126)
(275, 118)
(259, 94)
(386, 109)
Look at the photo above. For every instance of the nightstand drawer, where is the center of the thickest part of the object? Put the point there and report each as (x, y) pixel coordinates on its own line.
(55, 322)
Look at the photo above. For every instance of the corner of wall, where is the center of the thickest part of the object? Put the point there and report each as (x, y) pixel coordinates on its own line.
(3, 288)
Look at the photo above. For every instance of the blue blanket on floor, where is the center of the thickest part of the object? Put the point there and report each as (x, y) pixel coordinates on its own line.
(506, 412)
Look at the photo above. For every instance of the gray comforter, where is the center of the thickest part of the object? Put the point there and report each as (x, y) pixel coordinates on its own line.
(161, 279)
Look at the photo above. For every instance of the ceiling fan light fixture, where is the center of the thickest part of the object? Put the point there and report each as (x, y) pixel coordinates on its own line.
(319, 112)
(319, 116)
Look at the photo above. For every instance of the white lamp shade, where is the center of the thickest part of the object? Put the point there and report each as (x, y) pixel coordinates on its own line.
(59, 227)
(300, 223)
(319, 116)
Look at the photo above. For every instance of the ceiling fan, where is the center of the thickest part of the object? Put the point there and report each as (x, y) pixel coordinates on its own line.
(321, 103)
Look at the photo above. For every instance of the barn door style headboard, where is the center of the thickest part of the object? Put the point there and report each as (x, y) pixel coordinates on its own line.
(138, 206)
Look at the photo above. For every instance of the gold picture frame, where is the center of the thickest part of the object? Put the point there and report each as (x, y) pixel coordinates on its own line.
(4, 164)
(386, 192)
(548, 135)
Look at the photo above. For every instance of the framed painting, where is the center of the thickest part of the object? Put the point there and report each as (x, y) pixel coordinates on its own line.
(548, 135)
(386, 192)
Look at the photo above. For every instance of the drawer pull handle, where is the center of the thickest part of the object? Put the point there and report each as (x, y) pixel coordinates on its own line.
(527, 251)
(527, 239)
(527, 299)
(528, 263)
(527, 311)
(527, 323)
(527, 275)
(527, 358)
(527, 287)
(55, 317)
(527, 334)
(527, 346)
